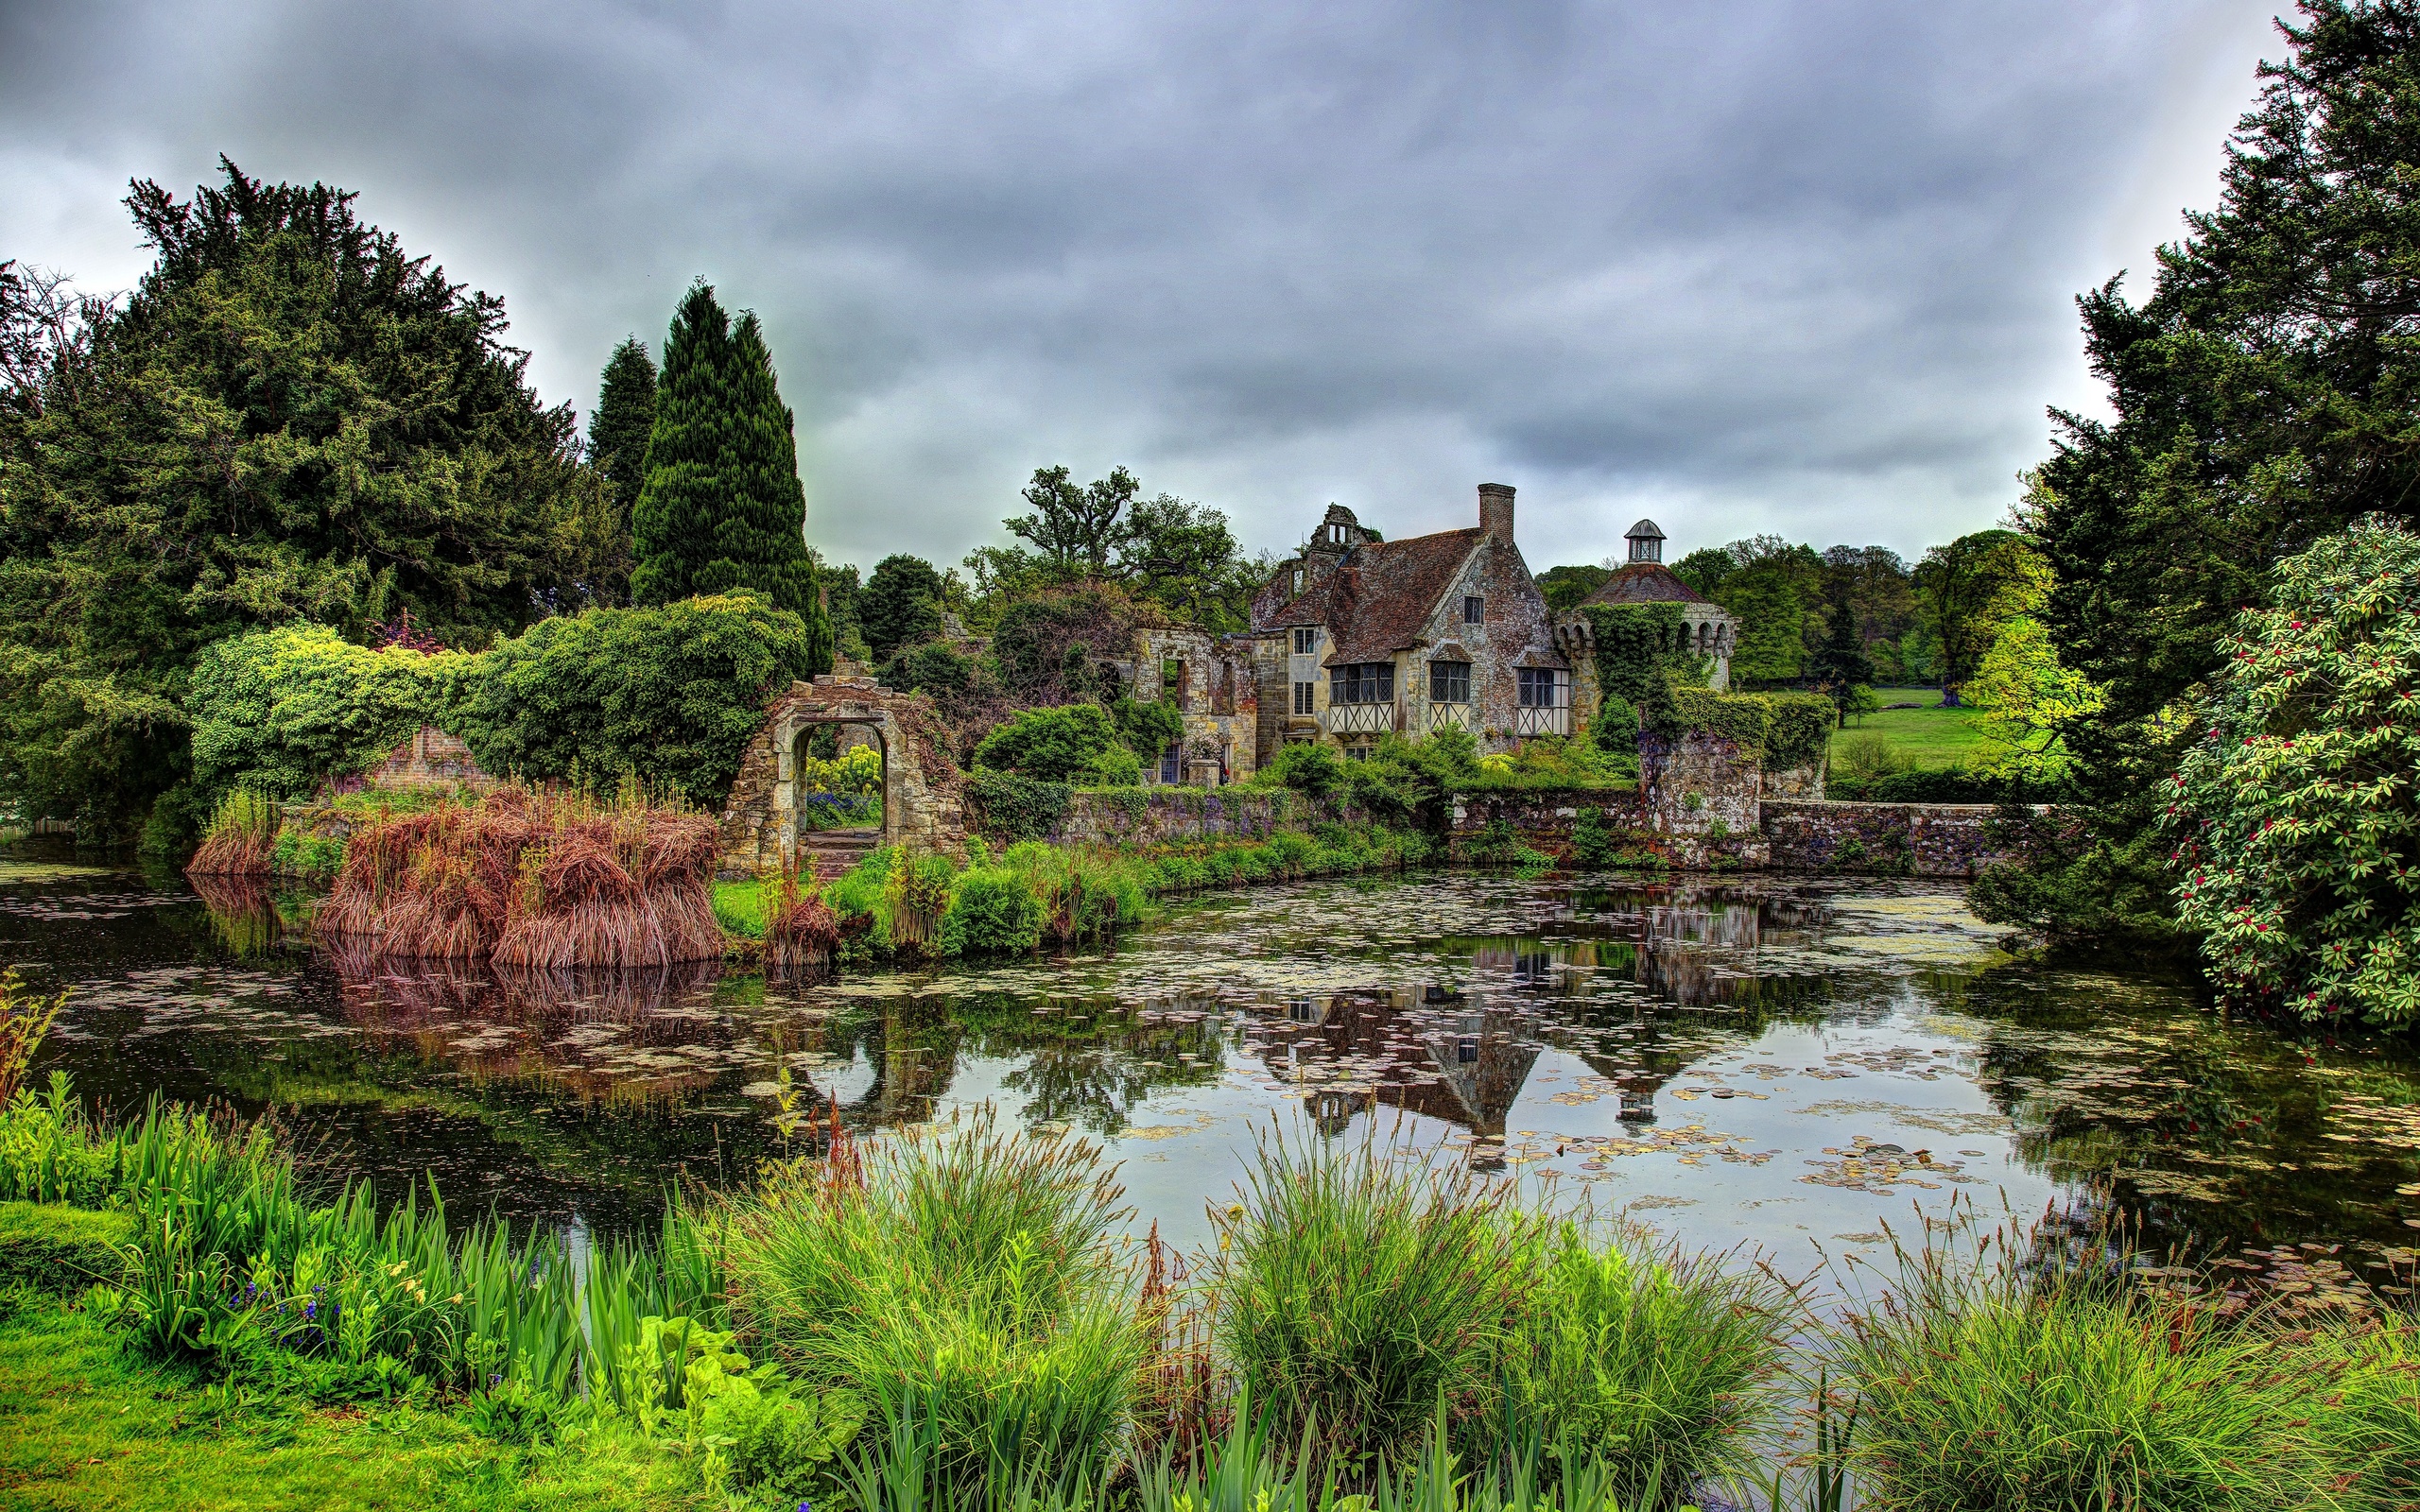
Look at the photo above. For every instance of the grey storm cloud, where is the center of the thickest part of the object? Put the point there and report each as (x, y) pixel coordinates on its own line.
(1798, 268)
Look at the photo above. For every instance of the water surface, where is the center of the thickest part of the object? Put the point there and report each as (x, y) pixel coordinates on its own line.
(1788, 1064)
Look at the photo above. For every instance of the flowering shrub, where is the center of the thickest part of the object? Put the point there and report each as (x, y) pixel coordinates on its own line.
(2294, 810)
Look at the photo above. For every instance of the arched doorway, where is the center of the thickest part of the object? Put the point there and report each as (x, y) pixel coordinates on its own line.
(922, 803)
(829, 800)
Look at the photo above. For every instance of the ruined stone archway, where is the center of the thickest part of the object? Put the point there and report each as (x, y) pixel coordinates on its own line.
(921, 801)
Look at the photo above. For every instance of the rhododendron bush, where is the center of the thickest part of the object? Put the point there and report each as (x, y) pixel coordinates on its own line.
(2294, 810)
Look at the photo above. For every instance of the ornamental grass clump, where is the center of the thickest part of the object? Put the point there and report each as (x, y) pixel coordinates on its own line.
(242, 839)
(964, 1279)
(1356, 1286)
(1993, 1380)
(800, 931)
(1656, 1365)
(2293, 808)
(524, 879)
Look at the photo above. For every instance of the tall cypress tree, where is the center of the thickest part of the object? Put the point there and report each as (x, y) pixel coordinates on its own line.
(617, 431)
(723, 506)
(672, 522)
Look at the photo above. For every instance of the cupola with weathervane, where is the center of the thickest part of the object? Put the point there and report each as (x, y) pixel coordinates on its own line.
(1645, 542)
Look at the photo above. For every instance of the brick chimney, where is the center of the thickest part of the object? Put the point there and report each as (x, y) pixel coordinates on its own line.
(1496, 510)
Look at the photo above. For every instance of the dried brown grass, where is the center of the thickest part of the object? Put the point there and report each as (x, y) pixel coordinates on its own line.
(243, 834)
(801, 930)
(534, 880)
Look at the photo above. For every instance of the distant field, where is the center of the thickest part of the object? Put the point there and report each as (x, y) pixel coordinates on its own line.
(1928, 737)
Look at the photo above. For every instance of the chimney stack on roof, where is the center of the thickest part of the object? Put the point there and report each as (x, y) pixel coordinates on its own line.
(1496, 510)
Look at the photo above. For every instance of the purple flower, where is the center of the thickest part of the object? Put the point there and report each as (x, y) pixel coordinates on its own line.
(310, 1309)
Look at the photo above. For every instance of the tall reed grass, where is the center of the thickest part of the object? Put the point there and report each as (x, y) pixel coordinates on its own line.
(234, 1257)
(242, 837)
(526, 879)
(26, 1017)
(1999, 1377)
(964, 1281)
(1357, 1286)
(1658, 1365)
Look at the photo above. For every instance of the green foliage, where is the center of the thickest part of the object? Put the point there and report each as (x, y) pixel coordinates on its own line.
(1011, 807)
(1982, 1385)
(1659, 1368)
(1564, 587)
(279, 710)
(2260, 400)
(1841, 665)
(671, 694)
(617, 441)
(1596, 844)
(901, 605)
(2027, 697)
(992, 912)
(722, 508)
(1780, 730)
(94, 1425)
(2295, 813)
(235, 1265)
(1638, 651)
(1770, 585)
(316, 856)
(1358, 1285)
(1147, 727)
(967, 1280)
(961, 687)
(1971, 589)
(1177, 555)
(290, 418)
(2070, 883)
(1040, 640)
(1073, 742)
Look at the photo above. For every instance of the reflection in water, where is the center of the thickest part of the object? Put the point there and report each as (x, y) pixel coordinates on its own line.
(1766, 1060)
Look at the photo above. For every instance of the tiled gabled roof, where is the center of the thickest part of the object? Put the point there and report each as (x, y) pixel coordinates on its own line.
(1645, 582)
(1375, 601)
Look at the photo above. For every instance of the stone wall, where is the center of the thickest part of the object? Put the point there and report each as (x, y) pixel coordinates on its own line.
(1178, 816)
(1543, 820)
(1697, 785)
(1892, 839)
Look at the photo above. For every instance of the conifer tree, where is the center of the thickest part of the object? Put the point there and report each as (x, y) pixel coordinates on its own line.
(618, 432)
(723, 506)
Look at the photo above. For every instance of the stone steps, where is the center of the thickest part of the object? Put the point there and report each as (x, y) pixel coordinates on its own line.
(835, 851)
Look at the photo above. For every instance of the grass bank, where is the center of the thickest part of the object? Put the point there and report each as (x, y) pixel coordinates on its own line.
(957, 1316)
(901, 904)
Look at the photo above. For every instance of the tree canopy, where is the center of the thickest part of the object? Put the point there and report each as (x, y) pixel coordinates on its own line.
(291, 417)
(2266, 394)
(722, 507)
(1167, 551)
(617, 437)
(900, 605)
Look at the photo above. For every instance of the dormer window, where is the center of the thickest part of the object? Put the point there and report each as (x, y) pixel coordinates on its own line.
(1298, 579)
(1306, 640)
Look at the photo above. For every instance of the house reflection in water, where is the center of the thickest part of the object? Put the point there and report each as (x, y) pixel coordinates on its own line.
(1461, 1053)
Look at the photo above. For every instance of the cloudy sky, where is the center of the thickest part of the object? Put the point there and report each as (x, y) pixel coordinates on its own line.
(1752, 266)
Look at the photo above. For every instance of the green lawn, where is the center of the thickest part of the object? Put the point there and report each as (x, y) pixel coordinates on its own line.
(83, 1425)
(739, 907)
(1926, 738)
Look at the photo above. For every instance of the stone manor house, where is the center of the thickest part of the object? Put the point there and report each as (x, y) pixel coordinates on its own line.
(1357, 637)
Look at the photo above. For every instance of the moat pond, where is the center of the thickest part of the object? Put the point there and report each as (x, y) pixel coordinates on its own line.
(1784, 1064)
